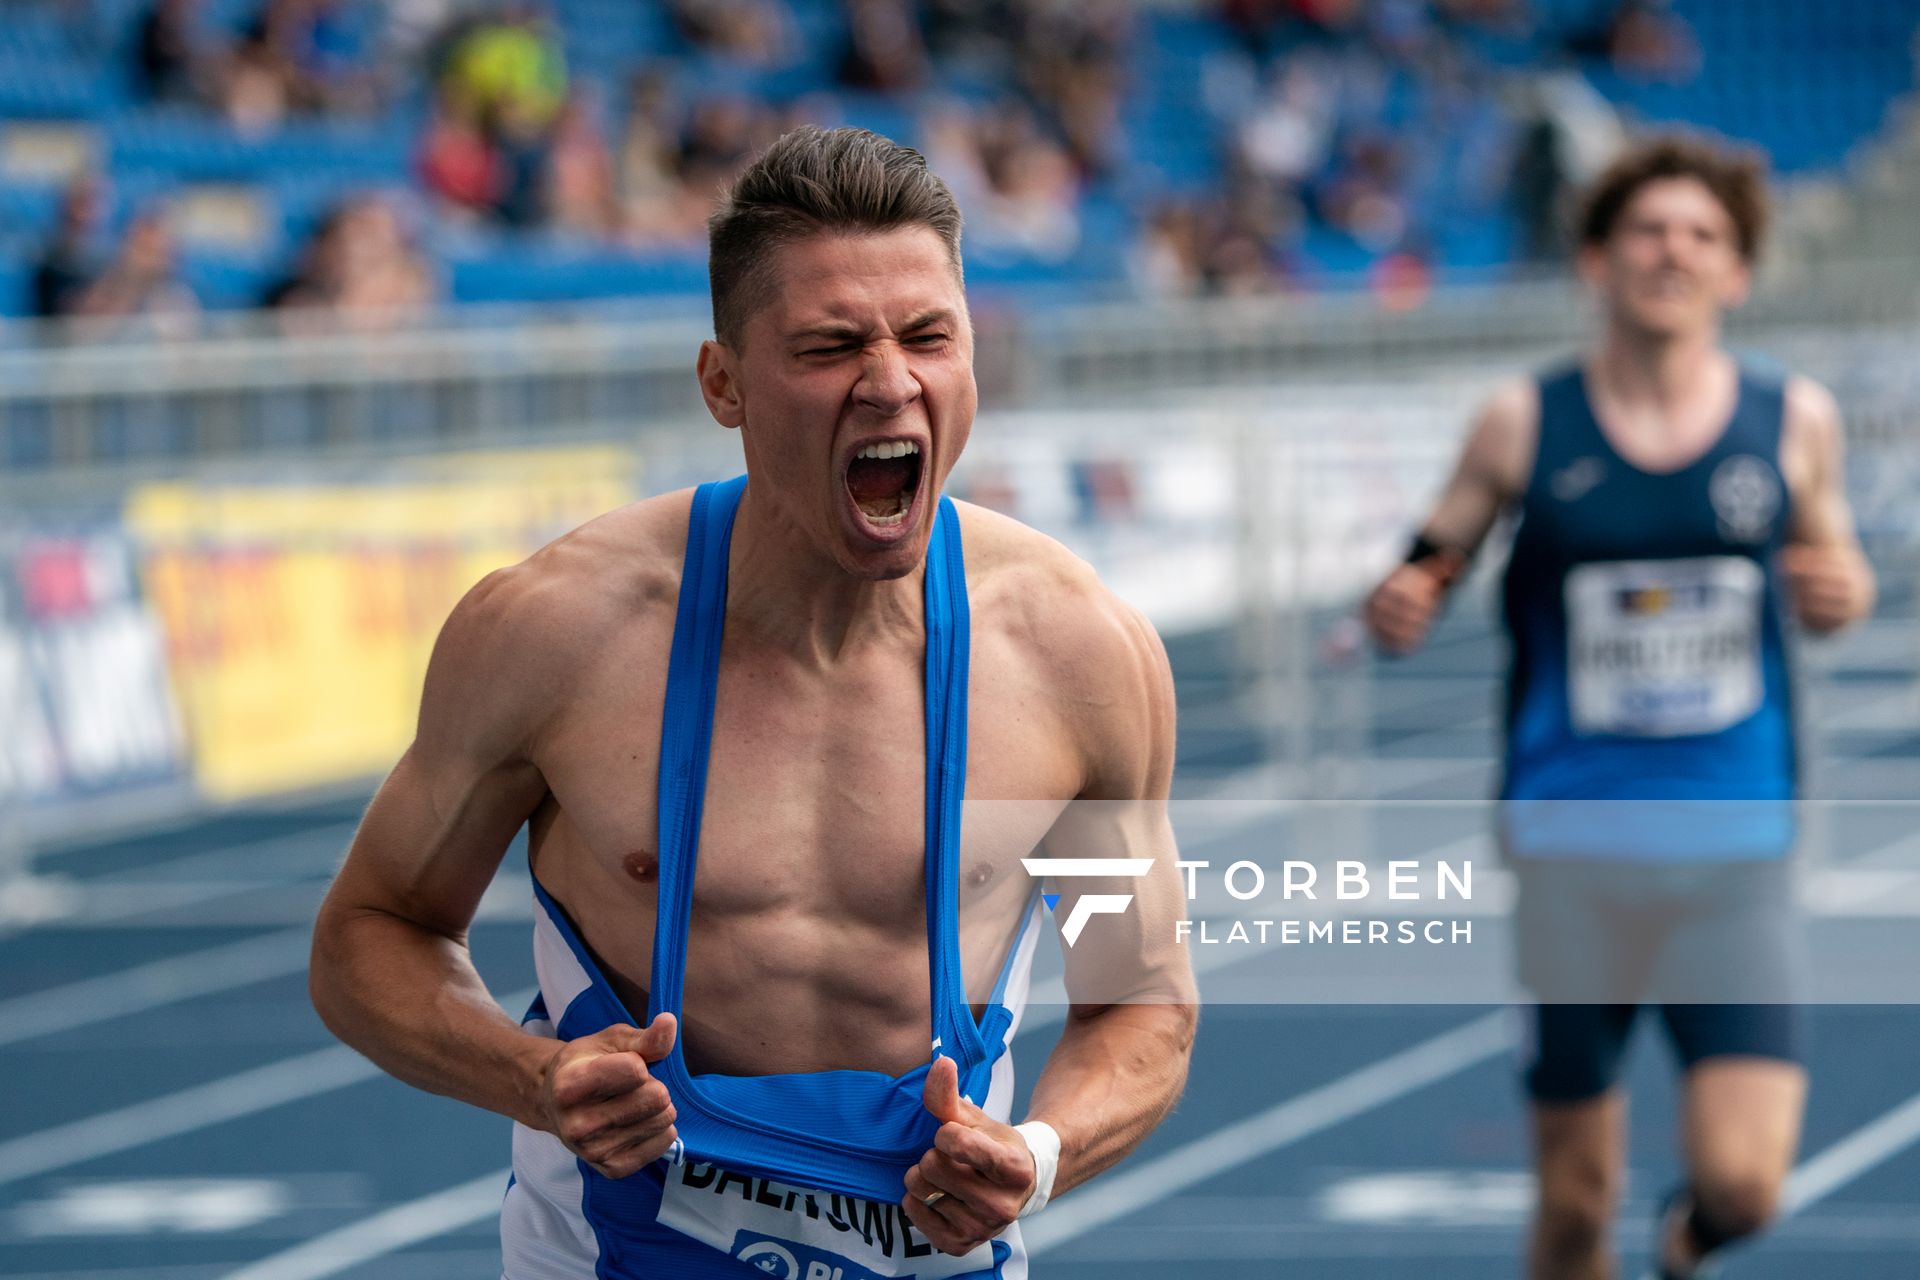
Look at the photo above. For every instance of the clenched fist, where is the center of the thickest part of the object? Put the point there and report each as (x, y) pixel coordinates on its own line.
(1403, 606)
(1828, 584)
(979, 1173)
(601, 1101)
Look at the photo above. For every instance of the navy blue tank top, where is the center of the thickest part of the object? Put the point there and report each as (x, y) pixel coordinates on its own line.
(1648, 704)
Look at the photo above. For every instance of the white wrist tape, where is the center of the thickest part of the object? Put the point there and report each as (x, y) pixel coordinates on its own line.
(1045, 1145)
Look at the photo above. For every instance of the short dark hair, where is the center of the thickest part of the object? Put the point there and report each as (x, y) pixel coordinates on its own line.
(1737, 177)
(810, 181)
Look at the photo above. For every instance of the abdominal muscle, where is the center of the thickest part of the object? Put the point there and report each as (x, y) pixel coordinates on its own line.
(774, 985)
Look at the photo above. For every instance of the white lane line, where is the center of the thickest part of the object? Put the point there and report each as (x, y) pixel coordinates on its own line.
(149, 986)
(319, 849)
(1872, 1144)
(1283, 1124)
(246, 1093)
(383, 1233)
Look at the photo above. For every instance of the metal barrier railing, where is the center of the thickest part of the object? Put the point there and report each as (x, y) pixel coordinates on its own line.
(247, 392)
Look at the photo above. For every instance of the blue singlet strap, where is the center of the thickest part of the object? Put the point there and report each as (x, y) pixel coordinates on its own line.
(686, 736)
(949, 643)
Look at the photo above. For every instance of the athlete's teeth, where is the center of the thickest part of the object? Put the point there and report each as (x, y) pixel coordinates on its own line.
(889, 449)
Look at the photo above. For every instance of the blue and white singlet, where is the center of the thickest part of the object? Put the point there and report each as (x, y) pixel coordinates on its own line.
(797, 1176)
(1648, 703)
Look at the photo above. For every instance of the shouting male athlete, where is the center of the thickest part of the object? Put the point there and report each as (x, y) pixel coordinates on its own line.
(794, 1062)
(1672, 502)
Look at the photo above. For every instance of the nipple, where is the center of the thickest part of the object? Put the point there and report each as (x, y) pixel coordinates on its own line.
(641, 865)
(978, 874)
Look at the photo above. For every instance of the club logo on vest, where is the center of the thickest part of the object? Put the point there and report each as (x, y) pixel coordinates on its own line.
(1575, 480)
(1745, 494)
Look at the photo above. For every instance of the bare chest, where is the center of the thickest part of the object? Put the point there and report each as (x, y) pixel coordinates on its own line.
(814, 812)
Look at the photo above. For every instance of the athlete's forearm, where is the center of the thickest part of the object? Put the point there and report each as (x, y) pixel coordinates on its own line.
(410, 1000)
(1114, 1076)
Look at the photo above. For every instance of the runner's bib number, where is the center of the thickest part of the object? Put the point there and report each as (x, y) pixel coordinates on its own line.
(793, 1234)
(1664, 648)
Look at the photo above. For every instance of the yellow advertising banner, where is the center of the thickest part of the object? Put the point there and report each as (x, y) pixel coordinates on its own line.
(299, 617)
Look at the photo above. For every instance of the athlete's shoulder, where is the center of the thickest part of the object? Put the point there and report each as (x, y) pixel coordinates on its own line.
(1505, 435)
(1050, 595)
(1809, 408)
(1095, 652)
(595, 576)
(527, 623)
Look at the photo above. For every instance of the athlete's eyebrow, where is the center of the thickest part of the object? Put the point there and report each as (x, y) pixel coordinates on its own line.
(844, 332)
(835, 332)
(936, 315)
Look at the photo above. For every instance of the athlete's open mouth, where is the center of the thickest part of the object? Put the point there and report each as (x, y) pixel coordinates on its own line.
(882, 479)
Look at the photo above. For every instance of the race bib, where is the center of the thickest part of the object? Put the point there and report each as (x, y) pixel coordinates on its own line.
(794, 1234)
(1664, 648)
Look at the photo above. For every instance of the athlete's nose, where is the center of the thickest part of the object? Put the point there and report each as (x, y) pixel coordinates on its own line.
(887, 385)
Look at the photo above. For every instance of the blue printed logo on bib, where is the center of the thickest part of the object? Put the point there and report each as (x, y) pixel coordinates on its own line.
(789, 1260)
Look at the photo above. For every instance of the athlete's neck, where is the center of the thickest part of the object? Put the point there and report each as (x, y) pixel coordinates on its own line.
(1665, 375)
(793, 596)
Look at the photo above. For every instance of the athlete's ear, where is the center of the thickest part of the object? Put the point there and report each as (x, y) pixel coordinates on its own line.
(1590, 261)
(717, 369)
(1739, 285)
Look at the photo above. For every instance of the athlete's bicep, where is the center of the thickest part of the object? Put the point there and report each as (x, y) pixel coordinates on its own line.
(1131, 954)
(1813, 449)
(434, 835)
(1491, 470)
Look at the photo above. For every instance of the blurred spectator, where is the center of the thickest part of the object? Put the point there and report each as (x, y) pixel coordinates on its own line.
(1019, 188)
(356, 271)
(884, 49)
(167, 58)
(755, 33)
(1168, 260)
(139, 287)
(71, 257)
(580, 196)
(1071, 60)
(1640, 39)
(972, 33)
(520, 142)
(722, 135)
(1362, 196)
(509, 64)
(1286, 137)
(1651, 42)
(654, 204)
(456, 161)
(255, 83)
(295, 56)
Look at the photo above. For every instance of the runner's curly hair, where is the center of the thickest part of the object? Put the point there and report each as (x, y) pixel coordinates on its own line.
(1737, 177)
